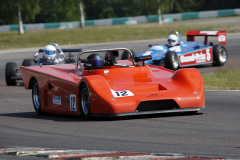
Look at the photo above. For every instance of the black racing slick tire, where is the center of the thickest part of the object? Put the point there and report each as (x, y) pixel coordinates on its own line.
(125, 55)
(10, 72)
(171, 61)
(28, 62)
(219, 55)
(36, 98)
(85, 102)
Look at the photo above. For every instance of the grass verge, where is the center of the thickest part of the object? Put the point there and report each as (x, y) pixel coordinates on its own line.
(227, 79)
(12, 40)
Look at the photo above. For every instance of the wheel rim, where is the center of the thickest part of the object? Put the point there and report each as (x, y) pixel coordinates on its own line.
(222, 55)
(174, 61)
(85, 102)
(36, 96)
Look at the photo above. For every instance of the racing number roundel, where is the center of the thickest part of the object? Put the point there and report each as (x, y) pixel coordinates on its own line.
(122, 93)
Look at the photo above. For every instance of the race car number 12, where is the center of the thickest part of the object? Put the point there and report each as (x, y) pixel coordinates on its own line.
(73, 102)
(122, 93)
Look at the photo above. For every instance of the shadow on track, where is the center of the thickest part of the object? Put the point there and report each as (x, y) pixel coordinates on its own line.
(71, 118)
(149, 116)
(45, 116)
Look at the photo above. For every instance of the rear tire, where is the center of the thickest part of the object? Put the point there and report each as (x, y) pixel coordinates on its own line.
(171, 61)
(125, 55)
(36, 97)
(28, 62)
(10, 72)
(85, 102)
(219, 55)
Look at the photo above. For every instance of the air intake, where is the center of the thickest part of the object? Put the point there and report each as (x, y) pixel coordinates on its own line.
(157, 105)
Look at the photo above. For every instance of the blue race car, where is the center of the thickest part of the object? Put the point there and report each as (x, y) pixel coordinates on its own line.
(178, 53)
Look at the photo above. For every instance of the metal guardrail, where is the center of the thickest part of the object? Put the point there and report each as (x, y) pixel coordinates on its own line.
(124, 20)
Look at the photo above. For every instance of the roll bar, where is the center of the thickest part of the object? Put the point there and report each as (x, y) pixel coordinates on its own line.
(102, 50)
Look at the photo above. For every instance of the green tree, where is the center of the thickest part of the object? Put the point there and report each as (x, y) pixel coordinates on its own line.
(189, 5)
(203, 5)
(217, 5)
(41, 11)
(58, 11)
(166, 6)
(9, 11)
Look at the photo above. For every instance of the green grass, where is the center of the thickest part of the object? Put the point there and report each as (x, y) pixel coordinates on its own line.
(30, 39)
(227, 79)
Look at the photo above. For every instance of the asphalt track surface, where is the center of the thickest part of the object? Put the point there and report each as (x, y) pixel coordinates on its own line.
(214, 131)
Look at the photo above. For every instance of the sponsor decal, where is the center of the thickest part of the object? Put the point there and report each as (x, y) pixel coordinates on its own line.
(154, 96)
(106, 72)
(122, 93)
(78, 73)
(175, 48)
(202, 56)
(209, 32)
(195, 92)
(56, 100)
(157, 47)
(73, 106)
(221, 38)
(147, 53)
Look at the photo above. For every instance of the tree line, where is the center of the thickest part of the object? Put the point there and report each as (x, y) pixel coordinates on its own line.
(42, 11)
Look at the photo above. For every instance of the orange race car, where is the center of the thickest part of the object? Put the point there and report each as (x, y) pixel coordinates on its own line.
(99, 85)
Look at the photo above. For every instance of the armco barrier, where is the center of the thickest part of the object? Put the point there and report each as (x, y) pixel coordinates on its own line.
(125, 20)
(190, 15)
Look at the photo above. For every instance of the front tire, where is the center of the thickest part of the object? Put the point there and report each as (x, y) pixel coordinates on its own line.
(85, 102)
(10, 72)
(36, 98)
(28, 62)
(125, 55)
(171, 61)
(219, 55)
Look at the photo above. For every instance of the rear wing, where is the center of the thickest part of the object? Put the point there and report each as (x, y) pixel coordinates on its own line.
(220, 34)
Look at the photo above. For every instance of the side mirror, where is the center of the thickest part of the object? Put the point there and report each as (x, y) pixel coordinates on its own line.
(61, 55)
(35, 56)
(143, 58)
(150, 45)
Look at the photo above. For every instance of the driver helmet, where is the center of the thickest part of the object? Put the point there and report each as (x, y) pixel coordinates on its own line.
(50, 51)
(110, 57)
(172, 40)
(96, 61)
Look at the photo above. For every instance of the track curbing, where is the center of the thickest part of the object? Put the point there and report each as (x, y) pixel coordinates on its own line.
(51, 153)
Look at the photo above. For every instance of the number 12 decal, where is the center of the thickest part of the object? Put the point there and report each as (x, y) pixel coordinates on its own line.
(73, 102)
(122, 93)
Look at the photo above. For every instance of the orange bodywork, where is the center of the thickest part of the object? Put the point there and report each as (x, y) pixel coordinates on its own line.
(145, 87)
